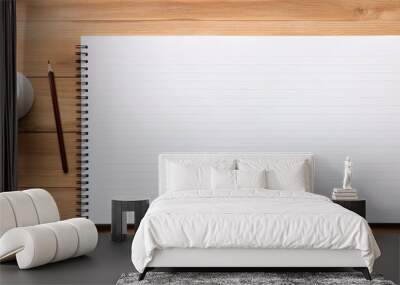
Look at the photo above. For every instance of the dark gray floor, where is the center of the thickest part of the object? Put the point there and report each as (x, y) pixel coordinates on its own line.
(389, 262)
(103, 266)
(111, 259)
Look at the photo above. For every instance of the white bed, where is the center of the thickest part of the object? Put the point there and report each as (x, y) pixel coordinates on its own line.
(249, 227)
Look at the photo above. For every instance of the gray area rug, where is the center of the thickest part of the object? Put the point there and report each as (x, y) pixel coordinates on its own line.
(269, 278)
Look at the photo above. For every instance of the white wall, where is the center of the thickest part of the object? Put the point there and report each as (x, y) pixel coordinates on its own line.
(333, 96)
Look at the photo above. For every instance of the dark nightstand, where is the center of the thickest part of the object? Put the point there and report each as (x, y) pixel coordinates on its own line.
(357, 206)
(122, 204)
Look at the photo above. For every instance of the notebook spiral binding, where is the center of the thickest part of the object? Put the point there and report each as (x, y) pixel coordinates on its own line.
(82, 125)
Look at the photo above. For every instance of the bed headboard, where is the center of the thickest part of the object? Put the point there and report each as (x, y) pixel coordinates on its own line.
(163, 159)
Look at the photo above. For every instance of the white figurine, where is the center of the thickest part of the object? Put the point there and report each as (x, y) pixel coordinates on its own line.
(347, 174)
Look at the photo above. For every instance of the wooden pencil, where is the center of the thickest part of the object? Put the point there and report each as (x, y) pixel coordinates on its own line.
(57, 118)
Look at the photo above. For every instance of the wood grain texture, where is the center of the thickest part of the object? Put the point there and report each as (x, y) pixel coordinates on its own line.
(21, 14)
(49, 30)
(66, 201)
(41, 117)
(39, 163)
(56, 41)
(270, 10)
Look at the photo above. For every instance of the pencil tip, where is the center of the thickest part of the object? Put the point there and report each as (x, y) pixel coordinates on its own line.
(49, 66)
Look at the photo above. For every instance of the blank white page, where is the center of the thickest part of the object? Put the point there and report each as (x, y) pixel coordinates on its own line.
(333, 96)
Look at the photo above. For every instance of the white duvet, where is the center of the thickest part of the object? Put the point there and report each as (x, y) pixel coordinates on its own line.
(250, 219)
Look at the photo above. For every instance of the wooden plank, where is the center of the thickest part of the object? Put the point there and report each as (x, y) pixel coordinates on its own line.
(128, 10)
(56, 41)
(21, 46)
(65, 199)
(41, 117)
(39, 163)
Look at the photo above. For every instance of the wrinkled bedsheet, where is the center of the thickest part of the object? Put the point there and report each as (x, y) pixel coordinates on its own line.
(251, 218)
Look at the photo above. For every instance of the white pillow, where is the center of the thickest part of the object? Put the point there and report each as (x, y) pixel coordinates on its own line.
(188, 177)
(223, 179)
(191, 174)
(251, 178)
(282, 174)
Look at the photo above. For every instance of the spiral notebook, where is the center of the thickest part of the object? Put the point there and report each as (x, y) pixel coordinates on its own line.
(145, 95)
